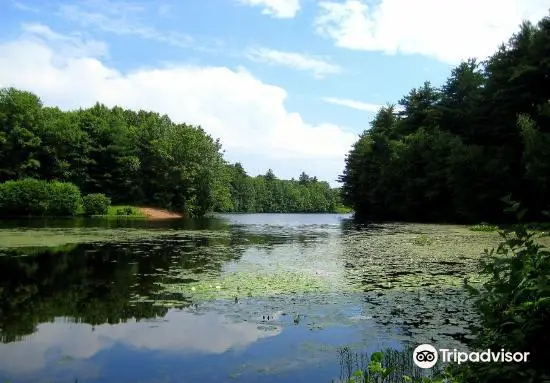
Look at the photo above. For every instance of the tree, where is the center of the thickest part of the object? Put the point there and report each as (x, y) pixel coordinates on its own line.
(453, 153)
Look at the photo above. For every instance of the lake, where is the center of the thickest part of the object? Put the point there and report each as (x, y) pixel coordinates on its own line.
(232, 298)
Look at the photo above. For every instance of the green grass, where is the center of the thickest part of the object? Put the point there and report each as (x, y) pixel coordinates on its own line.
(117, 211)
(123, 211)
(343, 209)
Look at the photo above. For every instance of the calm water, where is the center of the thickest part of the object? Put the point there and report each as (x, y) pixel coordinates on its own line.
(154, 309)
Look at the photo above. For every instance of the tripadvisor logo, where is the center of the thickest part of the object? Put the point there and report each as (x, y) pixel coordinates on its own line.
(426, 356)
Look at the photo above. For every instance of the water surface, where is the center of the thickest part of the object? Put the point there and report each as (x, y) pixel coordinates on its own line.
(235, 298)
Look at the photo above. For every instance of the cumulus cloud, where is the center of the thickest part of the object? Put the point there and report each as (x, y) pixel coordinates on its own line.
(281, 9)
(249, 116)
(359, 105)
(319, 66)
(449, 31)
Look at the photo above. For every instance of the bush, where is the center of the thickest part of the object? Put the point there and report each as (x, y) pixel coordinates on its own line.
(64, 198)
(126, 210)
(96, 204)
(36, 197)
(514, 306)
(389, 366)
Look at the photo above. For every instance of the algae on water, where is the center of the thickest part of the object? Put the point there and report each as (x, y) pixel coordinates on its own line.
(246, 284)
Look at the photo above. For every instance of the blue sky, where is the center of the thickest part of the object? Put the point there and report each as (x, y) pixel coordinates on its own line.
(285, 84)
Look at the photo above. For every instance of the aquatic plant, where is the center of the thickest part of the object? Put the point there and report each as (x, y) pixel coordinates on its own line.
(422, 240)
(395, 256)
(251, 284)
(484, 227)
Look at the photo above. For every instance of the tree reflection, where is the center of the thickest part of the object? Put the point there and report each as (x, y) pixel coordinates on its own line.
(100, 283)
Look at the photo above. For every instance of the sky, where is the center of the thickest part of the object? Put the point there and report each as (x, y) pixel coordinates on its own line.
(286, 85)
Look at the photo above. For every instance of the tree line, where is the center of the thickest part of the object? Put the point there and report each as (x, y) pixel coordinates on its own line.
(452, 153)
(141, 158)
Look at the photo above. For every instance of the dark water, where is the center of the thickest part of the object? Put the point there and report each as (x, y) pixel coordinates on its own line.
(119, 311)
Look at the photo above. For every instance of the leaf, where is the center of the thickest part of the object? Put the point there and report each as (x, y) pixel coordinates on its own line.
(377, 357)
(387, 372)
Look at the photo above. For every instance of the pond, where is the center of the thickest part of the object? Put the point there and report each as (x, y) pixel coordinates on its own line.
(232, 298)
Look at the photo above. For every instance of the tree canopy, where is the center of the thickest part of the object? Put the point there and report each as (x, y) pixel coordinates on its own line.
(140, 158)
(452, 153)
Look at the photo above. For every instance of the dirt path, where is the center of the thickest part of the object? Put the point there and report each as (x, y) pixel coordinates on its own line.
(153, 213)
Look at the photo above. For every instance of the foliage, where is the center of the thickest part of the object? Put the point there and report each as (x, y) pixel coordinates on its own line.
(64, 199)
(141, 158)
(124, 211)
(450, 153)
(96, 204)
(514, 305)
(35, 197)
(389, 366)
(268, 194)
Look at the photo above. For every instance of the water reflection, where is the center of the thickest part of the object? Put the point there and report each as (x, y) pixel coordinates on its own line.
(100, 311)
(98, 283)
(177, 332)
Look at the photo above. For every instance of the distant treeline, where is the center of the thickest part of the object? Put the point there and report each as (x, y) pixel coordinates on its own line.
(140, 158)
(452, 153)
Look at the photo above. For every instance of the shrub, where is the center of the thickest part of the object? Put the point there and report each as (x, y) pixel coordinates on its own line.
(389, 366)
(37, 197)
(126, 210)
(64, 198)
(514, 307)
(96, 204)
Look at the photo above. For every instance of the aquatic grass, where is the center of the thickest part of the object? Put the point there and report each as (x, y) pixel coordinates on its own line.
(29, 251)
(422, 240)
(408, 256)
(245, 284)
(484, 227)
(49, 237)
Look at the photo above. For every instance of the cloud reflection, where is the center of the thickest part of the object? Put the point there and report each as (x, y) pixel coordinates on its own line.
(178, 331)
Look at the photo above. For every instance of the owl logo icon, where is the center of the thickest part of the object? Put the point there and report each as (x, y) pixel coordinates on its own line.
(425, 356)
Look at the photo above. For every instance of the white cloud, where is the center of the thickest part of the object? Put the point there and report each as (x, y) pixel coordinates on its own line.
(24, 7)
(248, 115)
(320, 66)
(359, 105)
(281, 9)
(449, 30)
(72, 45)
(121, 19)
